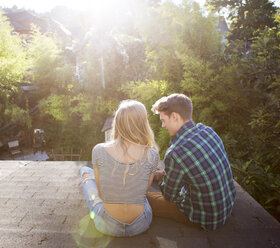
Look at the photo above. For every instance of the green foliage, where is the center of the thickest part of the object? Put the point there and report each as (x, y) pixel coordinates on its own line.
(248, 18)
(241, 102)
(47, 68)
(75, 121)
(13, 66)
(57, 107)
(259, 182)
(12, 57)
(13, 111)
(136, 67)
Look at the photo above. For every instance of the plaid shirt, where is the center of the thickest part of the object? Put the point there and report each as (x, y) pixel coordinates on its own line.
(198, 176)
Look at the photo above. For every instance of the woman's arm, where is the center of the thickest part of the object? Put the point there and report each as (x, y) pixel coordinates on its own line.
(96, 173)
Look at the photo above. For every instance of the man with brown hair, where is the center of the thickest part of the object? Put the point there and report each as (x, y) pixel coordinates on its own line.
(197, 185)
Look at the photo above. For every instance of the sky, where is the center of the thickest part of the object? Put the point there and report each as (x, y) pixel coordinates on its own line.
(43, 6)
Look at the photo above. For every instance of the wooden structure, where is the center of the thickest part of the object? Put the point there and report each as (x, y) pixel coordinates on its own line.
(66, 154)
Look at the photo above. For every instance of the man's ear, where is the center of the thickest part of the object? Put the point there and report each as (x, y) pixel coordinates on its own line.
(174, 116)
(177, 117)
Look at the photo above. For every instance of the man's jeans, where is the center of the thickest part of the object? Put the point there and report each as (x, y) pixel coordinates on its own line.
(106, 223)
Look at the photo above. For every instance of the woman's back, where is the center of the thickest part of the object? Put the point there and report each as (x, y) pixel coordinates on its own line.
(123, 178)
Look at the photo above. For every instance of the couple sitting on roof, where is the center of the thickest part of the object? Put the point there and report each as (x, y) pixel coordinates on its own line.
(196, 186)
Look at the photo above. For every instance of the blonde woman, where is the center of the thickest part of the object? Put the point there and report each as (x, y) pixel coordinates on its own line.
(123, 170)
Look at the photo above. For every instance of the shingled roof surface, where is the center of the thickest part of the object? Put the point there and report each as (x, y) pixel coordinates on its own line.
(42, 205)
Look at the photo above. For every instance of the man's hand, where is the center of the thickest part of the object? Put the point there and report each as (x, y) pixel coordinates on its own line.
(159, 174)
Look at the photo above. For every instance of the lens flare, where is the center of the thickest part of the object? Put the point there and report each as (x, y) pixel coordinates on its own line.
(87, 236)
(92, 214)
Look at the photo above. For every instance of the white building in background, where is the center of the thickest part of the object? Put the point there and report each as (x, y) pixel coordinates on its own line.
(108, 128)
(222, 25)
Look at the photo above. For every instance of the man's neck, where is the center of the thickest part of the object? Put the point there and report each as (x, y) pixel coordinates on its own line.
(182, 123)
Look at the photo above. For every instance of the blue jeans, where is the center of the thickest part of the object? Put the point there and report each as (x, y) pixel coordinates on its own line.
(106, 223)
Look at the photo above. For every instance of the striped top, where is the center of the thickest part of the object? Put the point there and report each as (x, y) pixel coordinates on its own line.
(198, 176)
(111, 176)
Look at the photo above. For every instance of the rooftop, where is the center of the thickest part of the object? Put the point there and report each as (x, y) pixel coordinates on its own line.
(42, 205)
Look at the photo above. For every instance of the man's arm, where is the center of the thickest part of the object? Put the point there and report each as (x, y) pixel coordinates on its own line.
(173, 180)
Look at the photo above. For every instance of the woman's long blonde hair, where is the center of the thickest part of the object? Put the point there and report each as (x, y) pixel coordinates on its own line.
(131, 125)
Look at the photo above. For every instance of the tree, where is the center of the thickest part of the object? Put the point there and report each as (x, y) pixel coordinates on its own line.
(13, 67)
(240, 99)
(178, 31)
(49, 71)
(74, 120)
(237, 93)
(247, 18)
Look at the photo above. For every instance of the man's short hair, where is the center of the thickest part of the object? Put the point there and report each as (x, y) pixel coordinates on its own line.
(178, 103)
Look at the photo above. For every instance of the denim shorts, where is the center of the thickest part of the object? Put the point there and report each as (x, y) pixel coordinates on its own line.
(103, 221)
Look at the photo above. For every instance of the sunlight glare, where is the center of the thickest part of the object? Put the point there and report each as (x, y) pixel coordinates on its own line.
(92, 215)
(98, 6)
(108, 10)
